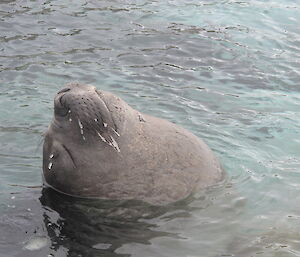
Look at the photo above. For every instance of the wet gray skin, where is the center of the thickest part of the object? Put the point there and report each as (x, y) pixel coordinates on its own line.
(97, 146)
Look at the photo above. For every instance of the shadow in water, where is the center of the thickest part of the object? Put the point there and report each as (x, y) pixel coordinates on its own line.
(94, 227)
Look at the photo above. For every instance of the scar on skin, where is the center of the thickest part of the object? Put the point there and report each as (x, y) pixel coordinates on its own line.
(141, 118)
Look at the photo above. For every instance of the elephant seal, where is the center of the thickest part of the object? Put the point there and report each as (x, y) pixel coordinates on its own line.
(97, 146)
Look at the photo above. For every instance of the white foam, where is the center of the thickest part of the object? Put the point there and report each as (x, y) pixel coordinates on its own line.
(36, 243)
(102, 246)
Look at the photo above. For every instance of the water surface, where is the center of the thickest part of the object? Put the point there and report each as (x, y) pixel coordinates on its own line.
(226, 70)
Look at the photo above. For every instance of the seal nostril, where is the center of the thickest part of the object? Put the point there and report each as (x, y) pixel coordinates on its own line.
(60, 100)
(64, 90)
(60, 106)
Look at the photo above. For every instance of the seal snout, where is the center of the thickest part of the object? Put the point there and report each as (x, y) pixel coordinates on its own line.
(74, 98)
(82, 108)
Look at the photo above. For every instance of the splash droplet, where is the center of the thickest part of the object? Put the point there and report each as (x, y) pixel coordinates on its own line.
(104, 124)
(51, 156)
(50, 165)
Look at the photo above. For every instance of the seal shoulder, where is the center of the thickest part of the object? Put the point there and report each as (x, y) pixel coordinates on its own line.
(170, 160)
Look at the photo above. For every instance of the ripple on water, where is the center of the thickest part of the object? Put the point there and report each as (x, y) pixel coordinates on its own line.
(226, 70)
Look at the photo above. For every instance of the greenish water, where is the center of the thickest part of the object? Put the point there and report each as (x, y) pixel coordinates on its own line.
(229, 71)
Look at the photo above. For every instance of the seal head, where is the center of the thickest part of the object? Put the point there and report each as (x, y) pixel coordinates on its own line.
(98, 146)
(81, 129)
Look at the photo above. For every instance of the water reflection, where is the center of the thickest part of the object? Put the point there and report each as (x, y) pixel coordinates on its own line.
(226, 70)
(94, 227)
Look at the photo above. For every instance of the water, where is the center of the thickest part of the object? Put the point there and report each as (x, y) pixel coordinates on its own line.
(226, 70)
